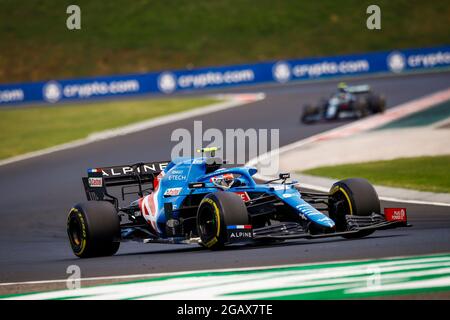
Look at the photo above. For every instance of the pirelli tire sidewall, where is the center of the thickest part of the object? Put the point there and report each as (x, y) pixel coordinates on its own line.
(228, 208)
(93, 229)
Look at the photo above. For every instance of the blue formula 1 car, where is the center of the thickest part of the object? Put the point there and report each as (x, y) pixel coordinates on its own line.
(349, 102)
(198, 200)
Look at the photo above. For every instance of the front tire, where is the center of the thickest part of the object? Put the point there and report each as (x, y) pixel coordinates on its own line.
(215, 212)
(93, 229)
(355, 196)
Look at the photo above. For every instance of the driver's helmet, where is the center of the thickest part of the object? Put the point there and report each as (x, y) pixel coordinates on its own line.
(225, 180)
(342, 87)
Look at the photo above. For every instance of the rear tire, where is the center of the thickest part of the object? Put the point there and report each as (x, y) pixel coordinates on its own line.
(355, 196)
(215, 212)
(93, 229)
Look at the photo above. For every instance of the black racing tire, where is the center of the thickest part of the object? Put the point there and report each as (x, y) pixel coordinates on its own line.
(376, 103)
(93, 229)
(215, 212)
(308, 112)
(355, 196)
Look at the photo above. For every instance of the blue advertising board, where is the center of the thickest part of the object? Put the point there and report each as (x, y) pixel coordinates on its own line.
(167, 82)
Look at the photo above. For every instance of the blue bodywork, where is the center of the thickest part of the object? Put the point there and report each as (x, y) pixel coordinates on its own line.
(174, 188)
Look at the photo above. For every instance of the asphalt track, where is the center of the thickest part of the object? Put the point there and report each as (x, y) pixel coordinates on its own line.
(37, 193)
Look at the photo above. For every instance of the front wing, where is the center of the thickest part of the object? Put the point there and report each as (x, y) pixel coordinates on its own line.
(292, 230)
(286, 233)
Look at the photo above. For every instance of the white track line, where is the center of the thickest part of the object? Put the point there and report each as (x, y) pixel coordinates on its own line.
(420, 284)
(390, 199)
(418, 258)
(233, 100)
(440, 204)
(372, 122)
(217, 285)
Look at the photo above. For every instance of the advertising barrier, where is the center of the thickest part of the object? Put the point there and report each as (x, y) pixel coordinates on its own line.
(168, 82)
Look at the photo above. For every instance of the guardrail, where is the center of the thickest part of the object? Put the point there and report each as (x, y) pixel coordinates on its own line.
(168, 82)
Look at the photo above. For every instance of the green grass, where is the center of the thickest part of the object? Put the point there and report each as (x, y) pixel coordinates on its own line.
(28, 129)
(422, 173)
(122, 36)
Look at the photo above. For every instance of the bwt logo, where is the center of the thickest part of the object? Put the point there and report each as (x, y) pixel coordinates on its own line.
(239, 145)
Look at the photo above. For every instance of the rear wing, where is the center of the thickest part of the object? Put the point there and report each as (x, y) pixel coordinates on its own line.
(99, 179)
(364, 88)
